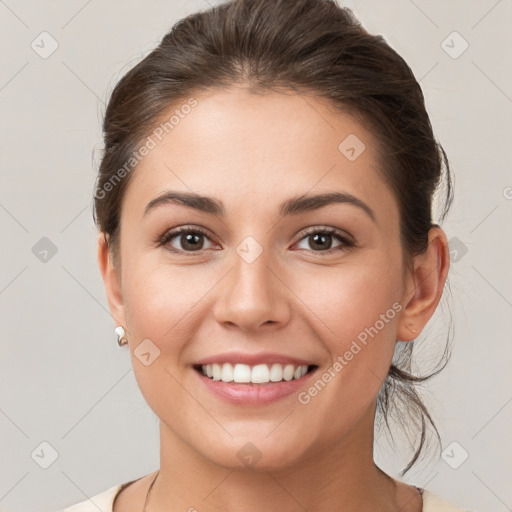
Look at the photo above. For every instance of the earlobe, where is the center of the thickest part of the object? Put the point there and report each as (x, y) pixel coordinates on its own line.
(111, 281)
(426, 286)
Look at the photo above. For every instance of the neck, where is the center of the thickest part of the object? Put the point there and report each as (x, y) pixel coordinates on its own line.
(342, 476)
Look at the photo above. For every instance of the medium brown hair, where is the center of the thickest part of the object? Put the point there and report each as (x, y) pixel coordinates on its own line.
(306, 46)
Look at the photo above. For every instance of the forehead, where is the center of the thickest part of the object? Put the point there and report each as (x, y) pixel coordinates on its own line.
(252, 150)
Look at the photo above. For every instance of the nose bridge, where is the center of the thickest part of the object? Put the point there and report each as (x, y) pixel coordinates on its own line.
(253, 279)
(253, 294)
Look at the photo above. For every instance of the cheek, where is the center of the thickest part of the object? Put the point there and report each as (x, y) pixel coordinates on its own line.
(355, 313)
(358, 313)
(159, 306)
(350, 298)
(159, 298)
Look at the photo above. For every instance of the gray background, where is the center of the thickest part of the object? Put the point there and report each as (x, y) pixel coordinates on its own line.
(65, 382)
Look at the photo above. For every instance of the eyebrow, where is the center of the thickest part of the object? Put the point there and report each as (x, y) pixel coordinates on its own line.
(294, 206)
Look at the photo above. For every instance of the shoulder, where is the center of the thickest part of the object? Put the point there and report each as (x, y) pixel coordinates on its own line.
(102, 502)
(434, 503)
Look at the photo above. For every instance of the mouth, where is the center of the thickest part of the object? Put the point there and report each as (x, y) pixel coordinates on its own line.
(261, 374)
(253, 379)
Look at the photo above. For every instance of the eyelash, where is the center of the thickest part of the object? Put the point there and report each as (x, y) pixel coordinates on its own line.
(340, 236)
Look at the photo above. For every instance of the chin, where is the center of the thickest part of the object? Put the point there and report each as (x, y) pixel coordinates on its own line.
(254, 454)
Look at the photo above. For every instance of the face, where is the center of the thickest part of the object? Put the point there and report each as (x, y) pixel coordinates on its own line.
(261, 276)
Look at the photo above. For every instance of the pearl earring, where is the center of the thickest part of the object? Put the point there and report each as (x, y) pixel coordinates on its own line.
(121, 339)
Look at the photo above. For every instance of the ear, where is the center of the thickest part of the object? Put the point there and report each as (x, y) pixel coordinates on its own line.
(112, 281)
(425, 285)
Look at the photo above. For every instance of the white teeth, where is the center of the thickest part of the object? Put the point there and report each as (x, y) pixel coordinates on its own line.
(288, 372)
(276, 373)
(216, 370)
(227, 372)
(242, 373)
(258, 374)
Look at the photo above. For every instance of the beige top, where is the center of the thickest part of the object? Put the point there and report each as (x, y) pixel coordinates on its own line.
(104, 502)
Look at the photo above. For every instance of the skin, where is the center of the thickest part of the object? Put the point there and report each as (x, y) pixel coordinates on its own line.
(252, 152)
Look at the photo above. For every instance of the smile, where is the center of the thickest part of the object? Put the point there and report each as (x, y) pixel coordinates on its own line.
(257, 374)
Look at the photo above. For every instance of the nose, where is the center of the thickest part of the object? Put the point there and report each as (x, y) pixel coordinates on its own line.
(253, 296)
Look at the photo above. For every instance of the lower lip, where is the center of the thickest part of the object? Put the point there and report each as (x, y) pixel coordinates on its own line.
(253, 394)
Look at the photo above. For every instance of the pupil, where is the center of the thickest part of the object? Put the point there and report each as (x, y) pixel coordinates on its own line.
(320, 236)
(192, 239)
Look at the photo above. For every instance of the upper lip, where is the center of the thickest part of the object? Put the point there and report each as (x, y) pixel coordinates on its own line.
(253, 359)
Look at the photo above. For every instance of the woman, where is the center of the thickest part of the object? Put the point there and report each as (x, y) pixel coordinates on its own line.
(266, 241)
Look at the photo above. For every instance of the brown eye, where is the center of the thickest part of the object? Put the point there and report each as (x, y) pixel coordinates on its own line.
(321, 240)
(185, 240)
